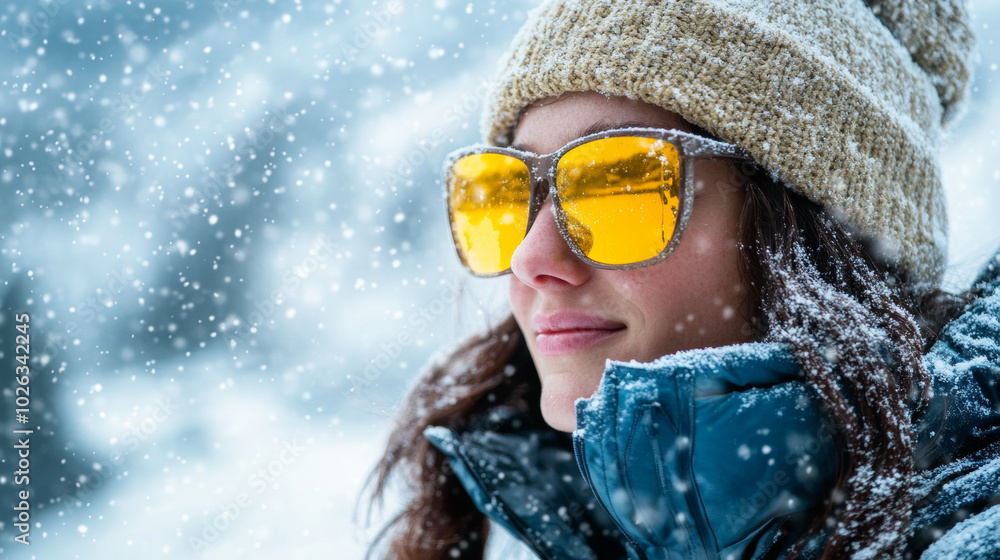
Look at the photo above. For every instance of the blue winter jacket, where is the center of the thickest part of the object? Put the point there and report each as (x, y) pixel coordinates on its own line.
(723, 453)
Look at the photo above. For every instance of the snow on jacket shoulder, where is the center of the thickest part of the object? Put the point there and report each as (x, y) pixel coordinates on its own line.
(723, 453)
(959, 487)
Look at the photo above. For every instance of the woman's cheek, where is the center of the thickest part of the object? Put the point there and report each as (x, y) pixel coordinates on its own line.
(520, 300)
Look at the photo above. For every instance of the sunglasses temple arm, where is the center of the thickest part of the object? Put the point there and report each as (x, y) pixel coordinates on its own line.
(721, 154)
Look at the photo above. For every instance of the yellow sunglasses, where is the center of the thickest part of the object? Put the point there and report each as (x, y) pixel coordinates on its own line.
(621, 198)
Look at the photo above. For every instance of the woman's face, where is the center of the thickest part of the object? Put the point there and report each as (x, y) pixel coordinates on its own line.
(574, 317)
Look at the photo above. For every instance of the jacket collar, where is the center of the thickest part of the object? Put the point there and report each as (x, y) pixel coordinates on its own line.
(666, 461)
(707, 454)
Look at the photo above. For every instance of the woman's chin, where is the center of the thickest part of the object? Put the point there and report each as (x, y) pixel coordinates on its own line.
(559, 402)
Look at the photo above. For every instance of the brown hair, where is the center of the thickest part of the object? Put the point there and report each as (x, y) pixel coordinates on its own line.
(858, 332)
(440, 520)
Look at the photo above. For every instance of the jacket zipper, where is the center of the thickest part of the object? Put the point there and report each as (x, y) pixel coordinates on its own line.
(686, 472)
(686, 468)
(581, 462)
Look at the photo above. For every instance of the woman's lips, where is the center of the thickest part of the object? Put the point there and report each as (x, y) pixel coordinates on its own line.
(569, 331)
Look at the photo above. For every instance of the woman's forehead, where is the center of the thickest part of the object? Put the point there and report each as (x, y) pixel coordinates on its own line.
(550, 123)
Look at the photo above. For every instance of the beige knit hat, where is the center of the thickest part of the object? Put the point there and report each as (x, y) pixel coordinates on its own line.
(842, 100)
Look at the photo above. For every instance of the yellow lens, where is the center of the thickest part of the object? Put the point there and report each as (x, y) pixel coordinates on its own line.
(620, 197)
(488, 195)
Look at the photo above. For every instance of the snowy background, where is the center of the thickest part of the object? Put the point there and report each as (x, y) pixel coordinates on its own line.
(224, 222)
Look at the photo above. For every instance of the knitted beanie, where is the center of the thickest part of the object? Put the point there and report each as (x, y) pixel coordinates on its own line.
(843, 101)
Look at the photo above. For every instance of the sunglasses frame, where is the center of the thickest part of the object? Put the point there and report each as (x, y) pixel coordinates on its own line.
(543, 168)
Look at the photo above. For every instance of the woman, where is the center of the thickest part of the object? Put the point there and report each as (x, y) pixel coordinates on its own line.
(723, 282)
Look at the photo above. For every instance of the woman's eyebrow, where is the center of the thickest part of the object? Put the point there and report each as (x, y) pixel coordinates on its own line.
(600, 126)
(604, 126)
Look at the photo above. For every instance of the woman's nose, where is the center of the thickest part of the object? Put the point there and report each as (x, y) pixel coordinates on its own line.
(543, 259)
